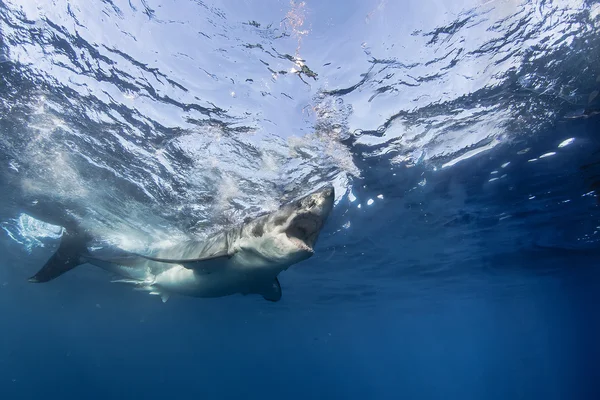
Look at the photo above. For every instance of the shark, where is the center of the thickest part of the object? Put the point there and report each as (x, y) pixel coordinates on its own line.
(244, 259)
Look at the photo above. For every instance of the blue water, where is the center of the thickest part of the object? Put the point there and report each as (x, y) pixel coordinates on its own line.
(461, 257)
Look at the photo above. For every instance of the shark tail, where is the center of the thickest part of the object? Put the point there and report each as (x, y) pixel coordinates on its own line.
(70, 254)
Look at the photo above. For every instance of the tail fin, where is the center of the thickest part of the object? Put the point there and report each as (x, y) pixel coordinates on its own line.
(73, 246)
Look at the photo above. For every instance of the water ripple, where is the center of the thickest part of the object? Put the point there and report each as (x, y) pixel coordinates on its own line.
(192, 117)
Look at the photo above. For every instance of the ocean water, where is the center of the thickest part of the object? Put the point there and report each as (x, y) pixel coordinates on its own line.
(461, 257)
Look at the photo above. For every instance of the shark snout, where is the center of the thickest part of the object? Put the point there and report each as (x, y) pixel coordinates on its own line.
(328, 193)
(324, 200)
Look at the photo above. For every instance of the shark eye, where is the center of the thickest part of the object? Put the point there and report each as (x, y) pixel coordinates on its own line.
(312, 204)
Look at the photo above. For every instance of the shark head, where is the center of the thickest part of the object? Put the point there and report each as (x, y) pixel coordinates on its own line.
(289, 234)
(306, 217)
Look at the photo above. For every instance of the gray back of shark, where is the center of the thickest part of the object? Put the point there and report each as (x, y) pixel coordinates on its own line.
(245, 259)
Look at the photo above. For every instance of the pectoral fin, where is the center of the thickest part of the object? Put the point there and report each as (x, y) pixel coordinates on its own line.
(203, 265)
(272, 292)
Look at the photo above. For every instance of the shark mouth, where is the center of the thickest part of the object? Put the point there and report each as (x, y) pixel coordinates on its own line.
(303, 231)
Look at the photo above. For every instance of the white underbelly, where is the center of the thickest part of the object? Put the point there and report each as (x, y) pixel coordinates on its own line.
(187, 282)
(244, 273)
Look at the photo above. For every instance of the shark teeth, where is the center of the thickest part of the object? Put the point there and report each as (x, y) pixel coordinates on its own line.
(300, 244)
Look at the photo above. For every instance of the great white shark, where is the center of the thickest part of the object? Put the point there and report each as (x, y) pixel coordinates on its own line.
(244, 259)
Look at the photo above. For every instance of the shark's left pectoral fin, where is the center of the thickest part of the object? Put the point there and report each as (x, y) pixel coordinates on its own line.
(272, 292)
(204, 265)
